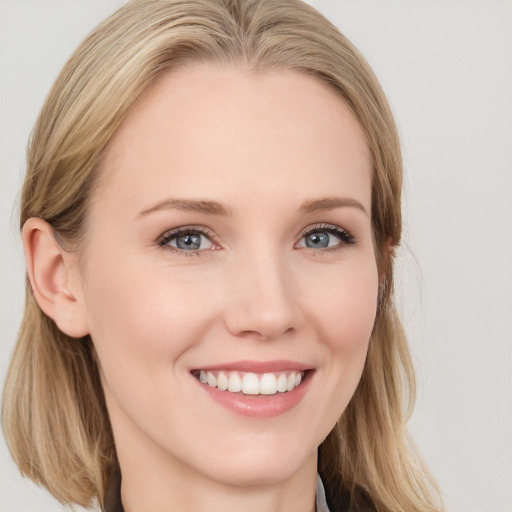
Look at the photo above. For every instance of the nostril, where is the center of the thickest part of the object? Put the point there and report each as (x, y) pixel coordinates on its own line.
(251, 334)
(265, 335)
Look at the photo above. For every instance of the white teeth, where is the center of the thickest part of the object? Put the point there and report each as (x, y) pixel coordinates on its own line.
(290, 382)
(234, 382)
(250, 383)
(268, 384)
(222, 381)
(281, 383)
(212, 380)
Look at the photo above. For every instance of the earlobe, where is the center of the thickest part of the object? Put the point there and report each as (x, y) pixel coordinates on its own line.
(53, 276)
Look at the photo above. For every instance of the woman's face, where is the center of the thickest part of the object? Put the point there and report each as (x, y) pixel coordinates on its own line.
(229, 241)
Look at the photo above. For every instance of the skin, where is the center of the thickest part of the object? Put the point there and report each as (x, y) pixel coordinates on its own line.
(261, 145)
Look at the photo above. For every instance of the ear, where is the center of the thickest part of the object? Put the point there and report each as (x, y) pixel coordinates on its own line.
(55, 278)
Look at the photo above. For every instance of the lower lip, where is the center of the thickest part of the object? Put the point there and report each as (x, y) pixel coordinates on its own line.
(259, 406)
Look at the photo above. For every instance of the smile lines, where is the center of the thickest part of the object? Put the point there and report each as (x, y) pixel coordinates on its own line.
(251, 383)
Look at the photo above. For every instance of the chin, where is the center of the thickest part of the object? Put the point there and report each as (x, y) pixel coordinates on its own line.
(270, 473)
(260, 465)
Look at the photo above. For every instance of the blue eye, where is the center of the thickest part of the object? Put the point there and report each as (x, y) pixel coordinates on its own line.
(325, 237)
(187, 240)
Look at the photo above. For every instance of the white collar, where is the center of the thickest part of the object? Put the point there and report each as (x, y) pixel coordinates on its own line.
(320, 500)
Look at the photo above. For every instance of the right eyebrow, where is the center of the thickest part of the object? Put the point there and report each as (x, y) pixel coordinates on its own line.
(189, 205)
(330, 203)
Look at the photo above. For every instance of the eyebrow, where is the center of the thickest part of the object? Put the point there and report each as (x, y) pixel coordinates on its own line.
(330, 203)
(189, 205)
(215, 208)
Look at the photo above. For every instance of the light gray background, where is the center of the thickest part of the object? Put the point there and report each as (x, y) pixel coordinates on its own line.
(446, 66)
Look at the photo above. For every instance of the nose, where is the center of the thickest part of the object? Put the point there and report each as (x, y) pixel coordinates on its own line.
(261, 298)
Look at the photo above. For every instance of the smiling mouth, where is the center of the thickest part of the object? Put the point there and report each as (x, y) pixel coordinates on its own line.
(249, 383)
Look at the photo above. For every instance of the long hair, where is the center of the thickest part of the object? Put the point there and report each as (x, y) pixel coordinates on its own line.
(54, 414)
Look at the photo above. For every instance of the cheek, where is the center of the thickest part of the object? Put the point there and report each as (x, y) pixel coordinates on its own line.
(346, 308)
(342, 315)
(140, 319)
(142, 323)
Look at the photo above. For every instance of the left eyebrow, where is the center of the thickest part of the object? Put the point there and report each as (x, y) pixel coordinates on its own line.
(330, 203)
(189, 205)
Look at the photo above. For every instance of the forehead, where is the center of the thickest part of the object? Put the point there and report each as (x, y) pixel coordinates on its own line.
(220, 129)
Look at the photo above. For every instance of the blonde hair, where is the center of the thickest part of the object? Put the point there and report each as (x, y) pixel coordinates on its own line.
(54, 415)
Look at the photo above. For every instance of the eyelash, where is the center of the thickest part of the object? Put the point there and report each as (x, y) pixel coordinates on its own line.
(345, 237)
(171, 235)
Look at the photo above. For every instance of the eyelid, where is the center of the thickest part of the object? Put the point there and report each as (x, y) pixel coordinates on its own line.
(168, 235)
(163, 240)
(345, 235)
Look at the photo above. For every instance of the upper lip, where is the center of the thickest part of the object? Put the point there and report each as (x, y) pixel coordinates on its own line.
(257, 366)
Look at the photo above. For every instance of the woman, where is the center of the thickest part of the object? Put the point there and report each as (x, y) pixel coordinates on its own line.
(209, 217)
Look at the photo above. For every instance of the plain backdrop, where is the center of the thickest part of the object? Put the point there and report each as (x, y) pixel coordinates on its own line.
(446, 66)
